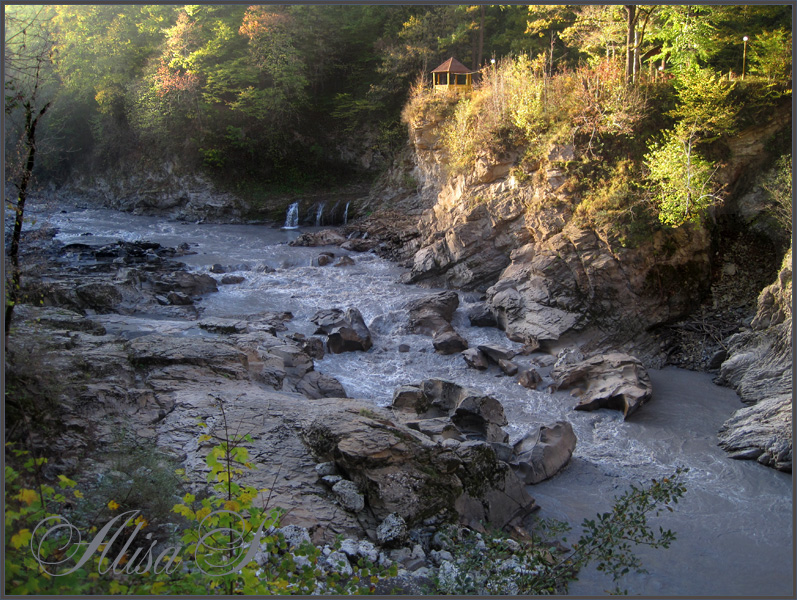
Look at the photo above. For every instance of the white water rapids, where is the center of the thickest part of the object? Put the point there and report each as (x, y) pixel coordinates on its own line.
(734, 527)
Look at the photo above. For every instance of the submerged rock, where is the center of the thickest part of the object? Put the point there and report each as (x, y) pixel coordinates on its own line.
(325, 237)
(617, 381)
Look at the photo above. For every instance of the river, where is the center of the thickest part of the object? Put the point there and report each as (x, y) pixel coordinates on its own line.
(734, 527)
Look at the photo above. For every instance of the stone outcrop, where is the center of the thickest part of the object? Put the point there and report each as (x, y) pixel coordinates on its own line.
(759, 368)
(761, 432)
(466, 420)
(616, 381)
(548, 278)
(161, 190)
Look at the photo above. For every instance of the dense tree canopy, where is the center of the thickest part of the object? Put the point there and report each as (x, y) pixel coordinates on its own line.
(267, 91)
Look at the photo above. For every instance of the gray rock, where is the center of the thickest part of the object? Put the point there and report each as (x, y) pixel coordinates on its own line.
(392, 531)
(101, 297)
(403, 348)
(326, 468)
(338, 563)
(294, 535)
(449, 342)
(475, 359)
(325, 237)
(221, 325)
(232, 279)
(368, 551)
(331, 480)
(179, 299)
(350, 548)
(218, 269)
(410, 398)
(617, 381)
(344, 261)
(440, 428)
(508, 367)
(761, 432)
(495, 354)
(430, 314)
(346, 332)
(324, 259)
(316, 385)
(529, 378)
(349, 495)
(543, 453)
(481, 316)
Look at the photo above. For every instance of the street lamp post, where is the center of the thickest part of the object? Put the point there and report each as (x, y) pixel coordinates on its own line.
(744, 55)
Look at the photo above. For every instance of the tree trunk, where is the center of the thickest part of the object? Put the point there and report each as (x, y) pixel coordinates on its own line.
(12, 291)
(478, 64)
(629, 41)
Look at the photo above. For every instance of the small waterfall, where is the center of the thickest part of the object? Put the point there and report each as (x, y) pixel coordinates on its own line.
(319, 213)
(346, 215)
(292, 218)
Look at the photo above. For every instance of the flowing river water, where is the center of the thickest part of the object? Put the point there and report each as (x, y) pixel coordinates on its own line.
(734, 527)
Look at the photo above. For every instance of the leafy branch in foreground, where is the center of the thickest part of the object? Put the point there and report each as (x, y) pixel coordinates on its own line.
(496, 564)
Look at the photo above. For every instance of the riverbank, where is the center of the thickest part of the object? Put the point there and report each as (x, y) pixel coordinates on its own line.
(677, 427)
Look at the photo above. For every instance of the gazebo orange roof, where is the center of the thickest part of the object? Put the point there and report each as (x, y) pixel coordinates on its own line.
(452, 65)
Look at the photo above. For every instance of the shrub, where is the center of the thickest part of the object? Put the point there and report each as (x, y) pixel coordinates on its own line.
(235, 543)
(495, 564)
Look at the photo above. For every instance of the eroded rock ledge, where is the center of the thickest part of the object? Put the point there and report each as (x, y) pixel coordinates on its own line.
(759, 368)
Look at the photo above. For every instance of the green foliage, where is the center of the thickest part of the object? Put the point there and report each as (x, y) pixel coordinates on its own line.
(703, 103)
(493, 564)
(770, 55)
(681, 177)
(231, 546)
(682, 180)
(778, 185)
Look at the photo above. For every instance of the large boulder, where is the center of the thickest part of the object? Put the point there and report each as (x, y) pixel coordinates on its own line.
(543, 453)
(431, 314)
(426, 468)
(617, 381)
(476, 415)
(397, 470)
(449, 342)
(346, 332)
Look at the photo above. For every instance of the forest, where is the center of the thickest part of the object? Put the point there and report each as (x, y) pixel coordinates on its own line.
(266, 97)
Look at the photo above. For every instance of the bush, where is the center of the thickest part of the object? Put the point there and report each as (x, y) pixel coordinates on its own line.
(235, 543)
(495, 564)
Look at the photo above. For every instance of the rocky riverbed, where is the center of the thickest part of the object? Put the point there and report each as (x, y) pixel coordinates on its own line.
(435, 427)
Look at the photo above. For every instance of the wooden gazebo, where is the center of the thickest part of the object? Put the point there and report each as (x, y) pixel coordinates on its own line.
(452, 75)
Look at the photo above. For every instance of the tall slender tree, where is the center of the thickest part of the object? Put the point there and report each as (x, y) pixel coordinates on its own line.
(27, 57)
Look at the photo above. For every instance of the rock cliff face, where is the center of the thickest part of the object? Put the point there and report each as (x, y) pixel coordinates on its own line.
(160, 191)
(759, 368)
(547, 279)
